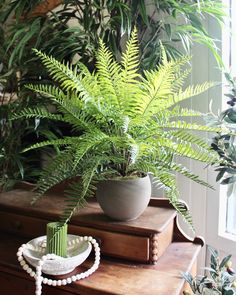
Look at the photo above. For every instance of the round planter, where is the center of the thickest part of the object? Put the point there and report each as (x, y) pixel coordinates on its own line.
(124, 199)
(76, 254)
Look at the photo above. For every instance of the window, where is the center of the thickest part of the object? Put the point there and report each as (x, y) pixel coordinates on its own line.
(228, 215)
(221, 210)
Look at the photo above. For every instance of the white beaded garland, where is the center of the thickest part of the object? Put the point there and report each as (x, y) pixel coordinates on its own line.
(69, 280)
(54, 283)
(59, 283)
(38, 274)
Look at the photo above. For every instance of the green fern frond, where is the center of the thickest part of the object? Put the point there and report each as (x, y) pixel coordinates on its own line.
(180, 79)
(156, 86)
(192, 126)
(180, 207)
(187, 173)
(190, 91)
(88, 142)
(108, 75)
(71, 106)
(49, 91)
(164, 59)
(182, 135)
(37, 112)
(80, 191)
(186, 149)
(59, 169)
(130, 59)
(65, 75)
(184, 112)
(56, 142)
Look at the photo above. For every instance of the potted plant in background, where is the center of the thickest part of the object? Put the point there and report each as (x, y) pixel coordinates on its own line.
(220, 279)
(125, 125)
(172, 22)
(14, 136)
(225, 145)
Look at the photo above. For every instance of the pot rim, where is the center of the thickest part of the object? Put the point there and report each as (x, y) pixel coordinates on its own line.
(126, 178)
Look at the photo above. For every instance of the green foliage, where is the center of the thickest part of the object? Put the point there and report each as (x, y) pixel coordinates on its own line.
(219, 281)
(124, 124)
(111, 21)
(16, 135)
(171, 21)
(224, 143)
(11, 161)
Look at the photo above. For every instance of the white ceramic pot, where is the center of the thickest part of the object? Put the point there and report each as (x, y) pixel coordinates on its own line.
(76, 254)
(124, 199)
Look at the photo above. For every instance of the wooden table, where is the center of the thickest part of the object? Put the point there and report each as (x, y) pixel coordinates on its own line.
(116, 275)
(112, 277)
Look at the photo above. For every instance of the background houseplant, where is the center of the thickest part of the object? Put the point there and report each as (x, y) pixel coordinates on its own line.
(224, 143)
(22, 27)
(14, 136)
(124, 124)
(220, 279)
(110, 21)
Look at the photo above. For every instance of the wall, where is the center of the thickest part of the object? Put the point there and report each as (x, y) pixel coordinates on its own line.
(199, 198)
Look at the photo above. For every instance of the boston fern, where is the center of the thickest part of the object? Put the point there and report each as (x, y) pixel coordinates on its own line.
(124, 124)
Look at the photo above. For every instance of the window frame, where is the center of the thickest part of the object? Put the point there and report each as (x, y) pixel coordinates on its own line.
(216, 215)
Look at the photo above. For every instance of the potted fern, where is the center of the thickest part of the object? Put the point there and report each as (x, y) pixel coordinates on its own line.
(125, 125)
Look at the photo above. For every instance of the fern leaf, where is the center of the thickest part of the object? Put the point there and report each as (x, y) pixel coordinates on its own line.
(65, 75)
(72, 107)
(130, 59)
(56, 142)
(109, 76)
(183, 112)
(186, 149)
(37, 113)
(59, 169)
(190, 91)
(156, 87)
(182, 135)
(187, 173)
(79, 191)
(193, 126)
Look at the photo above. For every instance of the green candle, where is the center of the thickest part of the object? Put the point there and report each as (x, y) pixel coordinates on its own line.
(56, 239)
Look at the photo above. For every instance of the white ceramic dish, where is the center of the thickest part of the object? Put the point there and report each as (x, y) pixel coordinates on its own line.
(76, 254)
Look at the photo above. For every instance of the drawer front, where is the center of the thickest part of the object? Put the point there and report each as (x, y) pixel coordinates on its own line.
(11, 284)
(113, 244)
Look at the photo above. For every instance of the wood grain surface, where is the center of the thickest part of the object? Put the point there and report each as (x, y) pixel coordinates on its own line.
(113, 276)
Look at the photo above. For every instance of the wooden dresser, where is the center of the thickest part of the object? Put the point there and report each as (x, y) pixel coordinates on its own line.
(145, 256)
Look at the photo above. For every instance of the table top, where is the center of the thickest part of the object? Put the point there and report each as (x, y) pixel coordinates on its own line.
(115, 276)
(155, 218)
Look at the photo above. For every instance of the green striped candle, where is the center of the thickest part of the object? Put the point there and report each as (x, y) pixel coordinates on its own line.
(56, 239)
